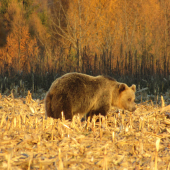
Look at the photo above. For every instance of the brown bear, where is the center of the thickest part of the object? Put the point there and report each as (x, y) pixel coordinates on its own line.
(75, 93)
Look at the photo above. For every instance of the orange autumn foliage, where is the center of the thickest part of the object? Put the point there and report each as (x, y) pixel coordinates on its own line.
(57, 32)
(21, 50)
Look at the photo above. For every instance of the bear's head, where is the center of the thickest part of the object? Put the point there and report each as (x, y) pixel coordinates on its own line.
(126, 97)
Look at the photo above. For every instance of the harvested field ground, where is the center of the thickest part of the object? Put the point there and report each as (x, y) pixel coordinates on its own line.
(119, 141)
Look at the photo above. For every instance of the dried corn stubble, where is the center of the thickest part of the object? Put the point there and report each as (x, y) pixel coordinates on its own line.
(29, 141)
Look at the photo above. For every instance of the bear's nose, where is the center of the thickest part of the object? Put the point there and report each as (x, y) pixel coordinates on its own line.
(133, 109)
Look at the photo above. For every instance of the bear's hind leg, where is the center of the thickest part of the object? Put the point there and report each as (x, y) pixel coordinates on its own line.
(67, 110)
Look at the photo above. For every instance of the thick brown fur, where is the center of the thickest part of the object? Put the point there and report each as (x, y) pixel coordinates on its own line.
(75, 93)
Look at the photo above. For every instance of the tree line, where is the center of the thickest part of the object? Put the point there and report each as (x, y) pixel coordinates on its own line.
(123, 38)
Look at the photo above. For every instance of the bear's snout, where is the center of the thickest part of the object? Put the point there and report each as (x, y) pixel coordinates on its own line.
(133, 109)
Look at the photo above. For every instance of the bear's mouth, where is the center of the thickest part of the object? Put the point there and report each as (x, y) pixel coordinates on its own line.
(133, 109)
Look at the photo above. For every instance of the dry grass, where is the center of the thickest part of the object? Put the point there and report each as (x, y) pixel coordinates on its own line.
(119, 141)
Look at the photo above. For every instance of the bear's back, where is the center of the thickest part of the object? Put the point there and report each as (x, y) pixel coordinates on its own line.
(78, 84)
(74, 82)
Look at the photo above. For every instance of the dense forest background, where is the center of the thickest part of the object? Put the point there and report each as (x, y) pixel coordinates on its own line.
(43, 39)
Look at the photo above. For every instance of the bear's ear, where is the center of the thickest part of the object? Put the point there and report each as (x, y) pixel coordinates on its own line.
(133, 87)
(122, 87)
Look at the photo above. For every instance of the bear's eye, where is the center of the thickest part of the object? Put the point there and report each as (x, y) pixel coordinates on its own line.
(129, 99)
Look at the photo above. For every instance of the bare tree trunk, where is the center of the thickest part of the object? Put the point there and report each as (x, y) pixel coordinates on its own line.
(80, 32)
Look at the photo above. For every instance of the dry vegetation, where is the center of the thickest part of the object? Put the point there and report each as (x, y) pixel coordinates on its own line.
(119, 141)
